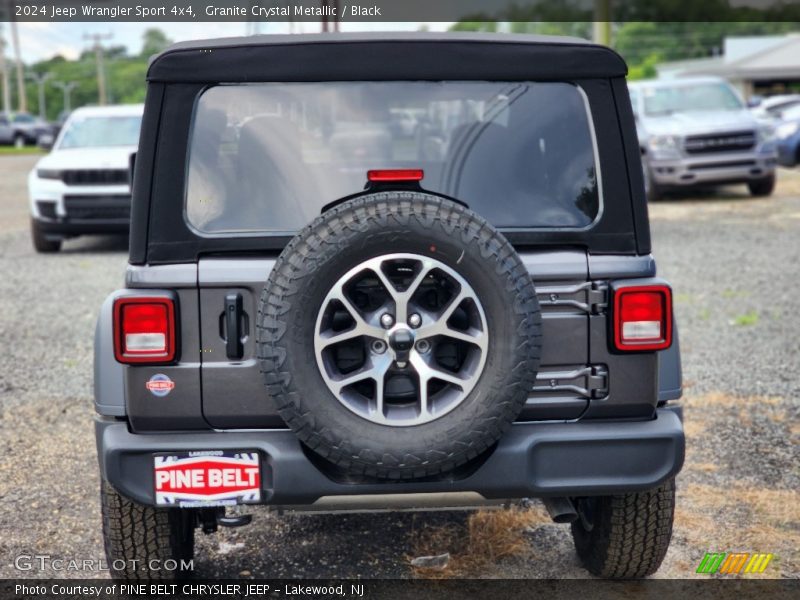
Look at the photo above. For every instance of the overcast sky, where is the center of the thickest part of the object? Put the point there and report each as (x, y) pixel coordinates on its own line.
(43, 40)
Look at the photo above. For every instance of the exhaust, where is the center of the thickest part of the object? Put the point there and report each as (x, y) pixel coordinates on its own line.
(561, 509)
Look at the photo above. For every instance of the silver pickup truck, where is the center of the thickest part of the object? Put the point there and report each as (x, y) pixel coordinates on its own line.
(696, 132)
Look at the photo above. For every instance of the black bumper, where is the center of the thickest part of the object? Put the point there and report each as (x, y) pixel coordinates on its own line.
(531, 460)
(69, 227)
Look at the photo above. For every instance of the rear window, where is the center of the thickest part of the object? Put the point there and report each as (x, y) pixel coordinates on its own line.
(266, 158)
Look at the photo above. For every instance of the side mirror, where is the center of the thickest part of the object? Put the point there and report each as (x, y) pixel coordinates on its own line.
(45, 141)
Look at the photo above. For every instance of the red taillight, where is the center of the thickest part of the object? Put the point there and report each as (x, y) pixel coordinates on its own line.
(643, 317)
(144, 330)
(395, 175)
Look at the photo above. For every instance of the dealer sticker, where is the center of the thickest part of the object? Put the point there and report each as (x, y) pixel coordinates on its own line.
(207, 478)
(160, 385)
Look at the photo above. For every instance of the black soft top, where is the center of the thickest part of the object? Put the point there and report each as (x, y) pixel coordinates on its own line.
(390, 56)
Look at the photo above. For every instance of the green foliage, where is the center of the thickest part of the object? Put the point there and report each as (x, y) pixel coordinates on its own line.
(154, 41)
(125, 76)
(642, 42)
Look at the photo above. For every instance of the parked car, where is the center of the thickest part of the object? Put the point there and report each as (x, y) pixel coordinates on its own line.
(58, 124)
(83, 185)
(20, 129)
(787, 134)
(697, 132)
(769, 109)
(312, 331)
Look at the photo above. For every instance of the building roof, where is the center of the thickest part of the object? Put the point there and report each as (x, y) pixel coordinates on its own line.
(391, 56)
(747, 58)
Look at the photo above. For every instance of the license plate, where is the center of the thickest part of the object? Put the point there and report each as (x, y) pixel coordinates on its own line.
(207, 478)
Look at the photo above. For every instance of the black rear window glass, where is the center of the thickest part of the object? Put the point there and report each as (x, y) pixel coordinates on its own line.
(266, 158)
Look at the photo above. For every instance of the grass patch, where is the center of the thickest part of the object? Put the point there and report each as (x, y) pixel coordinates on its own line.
(6, 150)
(747, 319)
(487, 536)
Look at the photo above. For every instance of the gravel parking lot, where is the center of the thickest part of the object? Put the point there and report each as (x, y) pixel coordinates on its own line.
(734, 263)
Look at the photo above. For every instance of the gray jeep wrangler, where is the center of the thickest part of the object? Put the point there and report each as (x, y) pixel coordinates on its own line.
(395, 271)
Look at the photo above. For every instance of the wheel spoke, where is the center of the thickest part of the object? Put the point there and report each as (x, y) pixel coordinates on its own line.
(372, 369)
(362, 327)
(329, 338)
(426, 372)
(402, 299)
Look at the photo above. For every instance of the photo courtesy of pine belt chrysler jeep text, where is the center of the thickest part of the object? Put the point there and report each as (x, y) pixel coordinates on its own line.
(388, 271)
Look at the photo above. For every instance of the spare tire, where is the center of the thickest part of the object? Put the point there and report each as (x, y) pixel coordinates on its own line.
(399, 335)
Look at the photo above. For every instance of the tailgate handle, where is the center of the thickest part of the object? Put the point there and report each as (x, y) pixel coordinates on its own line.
(233, 319)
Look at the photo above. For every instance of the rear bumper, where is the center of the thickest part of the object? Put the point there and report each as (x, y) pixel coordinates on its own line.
(531, 460)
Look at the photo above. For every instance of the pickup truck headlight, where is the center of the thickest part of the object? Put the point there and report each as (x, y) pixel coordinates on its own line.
(664, 146)
(786, 130)
(48, 174)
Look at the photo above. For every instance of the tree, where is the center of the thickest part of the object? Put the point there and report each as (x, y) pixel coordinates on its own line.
(153, 41)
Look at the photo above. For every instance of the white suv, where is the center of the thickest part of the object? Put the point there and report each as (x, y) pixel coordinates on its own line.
(83, 185)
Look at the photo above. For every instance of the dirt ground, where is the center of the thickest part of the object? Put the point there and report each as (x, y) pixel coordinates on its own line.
(734, 263)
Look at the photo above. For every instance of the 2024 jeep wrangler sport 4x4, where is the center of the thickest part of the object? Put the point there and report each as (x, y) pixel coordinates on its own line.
(405, 271)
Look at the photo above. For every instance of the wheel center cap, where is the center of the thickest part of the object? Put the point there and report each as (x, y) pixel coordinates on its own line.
(401, 341)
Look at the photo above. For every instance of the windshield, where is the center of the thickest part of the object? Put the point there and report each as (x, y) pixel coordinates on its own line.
(269, 157)
(688, 98)
(99, 132)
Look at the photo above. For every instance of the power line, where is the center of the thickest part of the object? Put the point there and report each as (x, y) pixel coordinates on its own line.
(99, 58)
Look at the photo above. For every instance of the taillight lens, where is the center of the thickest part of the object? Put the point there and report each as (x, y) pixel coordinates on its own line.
(643, 318)
(144, 330)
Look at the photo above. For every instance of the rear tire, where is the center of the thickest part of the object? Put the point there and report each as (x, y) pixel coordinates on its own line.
(760, 188)
(41, 243)
(19, 141)
(627, 535)
(141, 540)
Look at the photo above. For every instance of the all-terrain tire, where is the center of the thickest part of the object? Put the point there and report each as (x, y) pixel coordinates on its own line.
(627, 535)
(142, 541)
(763, 187)
(41, 243)
(341, 239)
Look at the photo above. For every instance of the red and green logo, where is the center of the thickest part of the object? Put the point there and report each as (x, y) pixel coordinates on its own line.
(733, 563)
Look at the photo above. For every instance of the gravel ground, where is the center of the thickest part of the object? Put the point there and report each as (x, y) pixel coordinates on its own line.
(734, 263)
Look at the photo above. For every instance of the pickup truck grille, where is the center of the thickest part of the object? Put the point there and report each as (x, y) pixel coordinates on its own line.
(95, 177)
(735, 141)
(98, 207)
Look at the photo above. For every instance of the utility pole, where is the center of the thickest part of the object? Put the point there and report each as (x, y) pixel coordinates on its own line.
(41, 79)
(97, 38)
(4, 75)
(21, 92)
(602, 22)
(66, 88)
